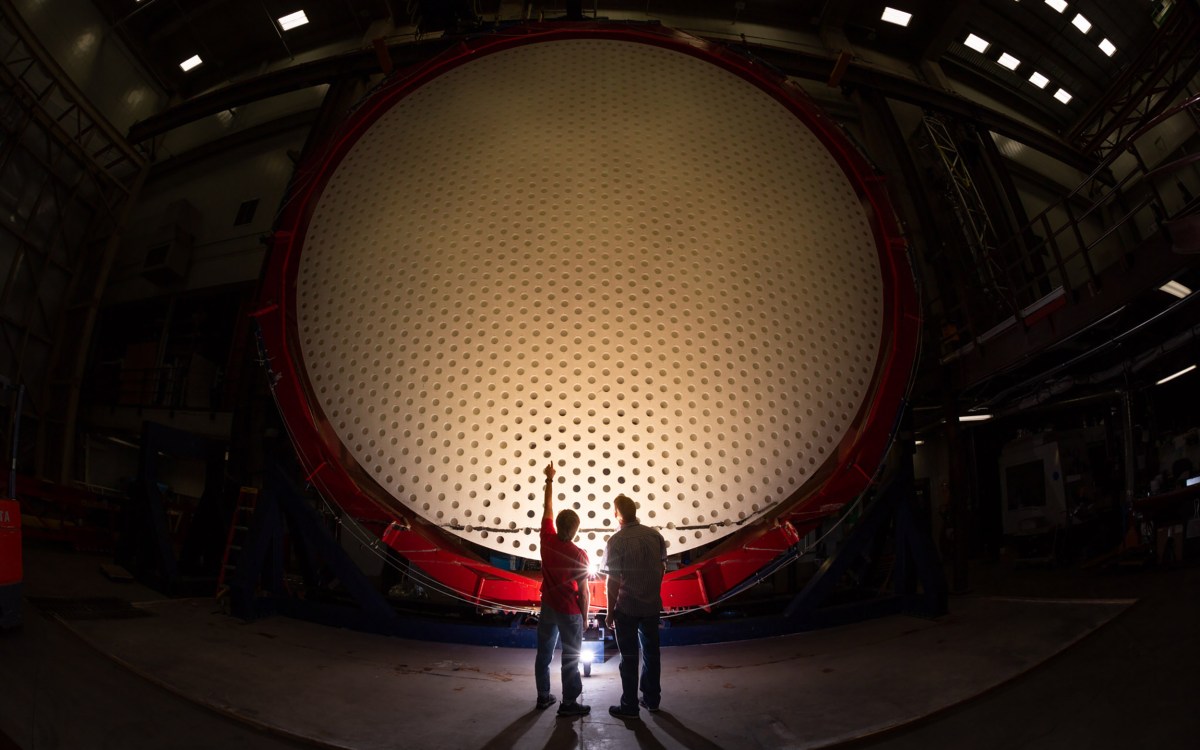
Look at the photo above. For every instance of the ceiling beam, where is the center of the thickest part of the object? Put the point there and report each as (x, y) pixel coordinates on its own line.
(304, 75)
(802, 64)
(902, 88)
(953, 15)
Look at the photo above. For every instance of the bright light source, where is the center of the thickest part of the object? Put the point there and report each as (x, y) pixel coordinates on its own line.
(1184, 371)
(292, 20)
(1062, 96)
(1039, 80)
(974, 417)
(1008, 61)
(191, 62)
(1059, 5)
(1107, 47)
(898, 17)
(1176, 289)
(919, 442)
(979, 44)
(593, 568)
(1081, 23)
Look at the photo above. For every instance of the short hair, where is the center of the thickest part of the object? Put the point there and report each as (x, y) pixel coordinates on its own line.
(626, 507)
(567, 523)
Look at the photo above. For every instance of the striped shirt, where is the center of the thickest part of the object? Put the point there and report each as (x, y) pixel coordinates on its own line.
(635, 557)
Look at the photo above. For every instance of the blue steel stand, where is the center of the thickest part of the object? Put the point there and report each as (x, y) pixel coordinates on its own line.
(916, 582)
(257, 588)
(918, 586)
(146, 546)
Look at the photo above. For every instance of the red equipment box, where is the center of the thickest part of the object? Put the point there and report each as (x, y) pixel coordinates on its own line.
(10, 542)
(10, 564)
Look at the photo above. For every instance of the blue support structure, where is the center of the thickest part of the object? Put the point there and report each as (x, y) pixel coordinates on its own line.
(917, 584)
(10, 606)
(257, 588)
(257, 585)
(147, 544)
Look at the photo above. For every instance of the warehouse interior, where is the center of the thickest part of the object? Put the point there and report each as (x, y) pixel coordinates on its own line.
(215, 212)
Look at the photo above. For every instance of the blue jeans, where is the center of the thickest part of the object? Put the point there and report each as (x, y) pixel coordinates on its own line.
(634, 633)
(550, 625)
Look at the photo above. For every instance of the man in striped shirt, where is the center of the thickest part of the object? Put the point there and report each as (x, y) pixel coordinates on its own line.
(636, 558)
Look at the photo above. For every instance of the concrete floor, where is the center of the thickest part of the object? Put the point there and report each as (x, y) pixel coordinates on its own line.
(1080, 665)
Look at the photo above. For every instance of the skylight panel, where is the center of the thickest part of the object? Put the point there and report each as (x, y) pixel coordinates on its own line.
(1081, 23)
(1107, 47)
(979, 44)
(1176, 289)
(292, 20)
(190, 63)
(1008, 61)
(1039, 80)
(1058, 5)
(898, 17)
(1062, 96)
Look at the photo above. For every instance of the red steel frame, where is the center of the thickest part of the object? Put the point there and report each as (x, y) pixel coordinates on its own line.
(445, 558)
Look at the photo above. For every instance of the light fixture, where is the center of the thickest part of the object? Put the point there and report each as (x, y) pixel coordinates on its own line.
(1175, 288)
(1062, 96)
(1008, 61)
(292, 20)
(1081, 23)
(981, 417)
(898, 17)
(1039, 80)
(1168, 378)
(919, 442)
(979, 44)
(1107, 47)
(1059, 5)
(191, 62)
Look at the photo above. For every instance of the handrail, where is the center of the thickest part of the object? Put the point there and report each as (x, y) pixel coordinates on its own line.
(1117, 152)
(1018, 250)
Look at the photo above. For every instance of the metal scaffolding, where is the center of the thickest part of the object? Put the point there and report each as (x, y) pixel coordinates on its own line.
(1146, 88)
(68, 180)
(971, 213)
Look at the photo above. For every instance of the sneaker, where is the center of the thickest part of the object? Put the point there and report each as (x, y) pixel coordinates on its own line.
(574, 709)
(545, 701)
(652, 709)
(623, 711)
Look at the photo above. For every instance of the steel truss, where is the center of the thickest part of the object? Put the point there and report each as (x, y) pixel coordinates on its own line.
(1147, 87)
(69, 179)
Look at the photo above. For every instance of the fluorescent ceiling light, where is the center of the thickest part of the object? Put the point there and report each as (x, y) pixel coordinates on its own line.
(292, 20)
(898, 17)
(1039, 80)
(1062, 96)
(1081, 23)
(1184, 371)
(979, 44)
(191, 62)
(1107, 47)
(1176, 289)
(974, 417)
(1008, 61)
(1059, 5)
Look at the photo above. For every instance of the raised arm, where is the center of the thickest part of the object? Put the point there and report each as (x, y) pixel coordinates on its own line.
(548, 503)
